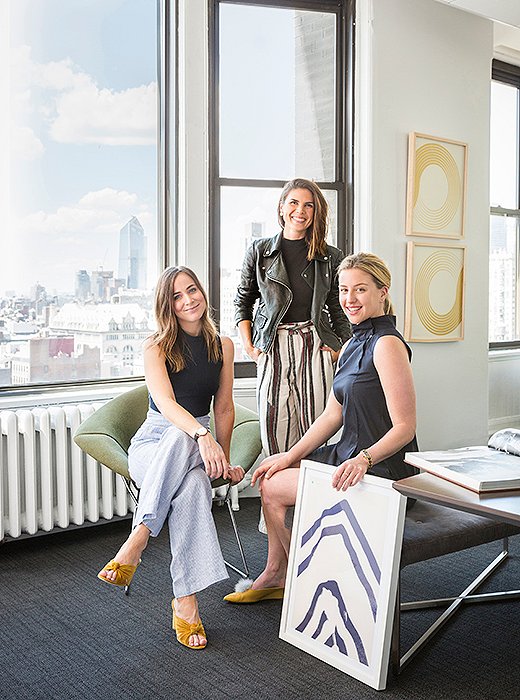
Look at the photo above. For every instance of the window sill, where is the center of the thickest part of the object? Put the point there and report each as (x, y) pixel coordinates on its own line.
(503, 354)
(60, 395)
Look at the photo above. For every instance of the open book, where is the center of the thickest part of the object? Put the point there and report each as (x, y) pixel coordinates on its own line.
(493, 467)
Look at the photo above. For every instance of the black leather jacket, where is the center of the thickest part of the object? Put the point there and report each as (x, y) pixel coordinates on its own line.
(264, 277)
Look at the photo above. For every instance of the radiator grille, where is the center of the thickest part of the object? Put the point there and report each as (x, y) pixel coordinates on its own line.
(46, 481)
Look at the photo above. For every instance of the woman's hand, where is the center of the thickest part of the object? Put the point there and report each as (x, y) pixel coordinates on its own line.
(270, 466)
(253, 352)
(333, 353)
(349, 473)
(235, 475)
(215, 462)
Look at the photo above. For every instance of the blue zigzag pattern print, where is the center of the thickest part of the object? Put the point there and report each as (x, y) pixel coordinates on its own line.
(335, 639)
(333, 587)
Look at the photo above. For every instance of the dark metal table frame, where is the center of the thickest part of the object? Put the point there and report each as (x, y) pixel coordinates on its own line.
(503, 506)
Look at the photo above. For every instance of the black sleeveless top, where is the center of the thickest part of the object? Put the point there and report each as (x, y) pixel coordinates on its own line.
(196, 384)
(365, 414)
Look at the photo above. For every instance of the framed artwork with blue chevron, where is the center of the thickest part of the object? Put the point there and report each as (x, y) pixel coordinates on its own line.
(343, 571)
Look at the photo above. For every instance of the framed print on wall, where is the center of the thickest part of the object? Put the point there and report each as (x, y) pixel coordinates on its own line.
(434, 309)
(436, 188)
(343, 570)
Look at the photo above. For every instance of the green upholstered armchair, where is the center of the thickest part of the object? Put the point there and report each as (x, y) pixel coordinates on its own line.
(106, 435)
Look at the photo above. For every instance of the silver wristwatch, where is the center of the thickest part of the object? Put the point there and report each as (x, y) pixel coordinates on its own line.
(200, 432)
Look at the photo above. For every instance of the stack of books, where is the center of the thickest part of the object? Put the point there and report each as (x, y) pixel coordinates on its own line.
(495, 467)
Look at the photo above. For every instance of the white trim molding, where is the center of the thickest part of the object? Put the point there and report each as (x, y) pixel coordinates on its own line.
(363, 127)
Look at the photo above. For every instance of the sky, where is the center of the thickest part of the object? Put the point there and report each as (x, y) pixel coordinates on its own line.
(82, 136)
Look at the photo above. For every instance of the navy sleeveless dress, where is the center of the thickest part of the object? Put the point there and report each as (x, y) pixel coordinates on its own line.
(365, 414)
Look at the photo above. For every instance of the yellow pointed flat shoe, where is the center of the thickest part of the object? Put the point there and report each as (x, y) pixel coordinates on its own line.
(184, 630)
(255, 595)
(124, 573)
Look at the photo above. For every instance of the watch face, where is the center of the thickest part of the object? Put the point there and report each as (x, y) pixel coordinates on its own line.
(200, 432)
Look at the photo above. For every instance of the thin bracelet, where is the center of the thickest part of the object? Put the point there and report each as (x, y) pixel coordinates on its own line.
(366, 454)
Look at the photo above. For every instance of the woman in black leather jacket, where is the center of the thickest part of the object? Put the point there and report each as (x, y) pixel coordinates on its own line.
(298, 327)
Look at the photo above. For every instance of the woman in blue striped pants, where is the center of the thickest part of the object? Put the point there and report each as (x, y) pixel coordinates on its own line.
(173, 457)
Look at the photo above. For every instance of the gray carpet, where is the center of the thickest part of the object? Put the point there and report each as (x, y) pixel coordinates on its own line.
(64, 634)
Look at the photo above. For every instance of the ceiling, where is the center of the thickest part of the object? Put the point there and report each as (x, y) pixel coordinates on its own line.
(506, 11)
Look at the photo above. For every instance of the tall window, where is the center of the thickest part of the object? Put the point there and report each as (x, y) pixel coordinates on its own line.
(79, 244)
(280, 108)
(504, 287)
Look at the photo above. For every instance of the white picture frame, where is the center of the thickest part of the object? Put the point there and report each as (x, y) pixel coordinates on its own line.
(343, 570)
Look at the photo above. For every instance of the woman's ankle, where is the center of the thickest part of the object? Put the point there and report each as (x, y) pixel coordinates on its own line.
(270, 579)
(187, 607)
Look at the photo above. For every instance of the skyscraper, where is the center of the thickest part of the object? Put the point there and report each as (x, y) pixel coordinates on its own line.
(132, 255)
(82, 285)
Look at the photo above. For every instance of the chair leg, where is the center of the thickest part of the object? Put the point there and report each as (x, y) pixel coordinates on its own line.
(134, 494)
(228, 502)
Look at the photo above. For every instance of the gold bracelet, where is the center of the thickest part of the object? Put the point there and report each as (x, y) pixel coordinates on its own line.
(366, 454)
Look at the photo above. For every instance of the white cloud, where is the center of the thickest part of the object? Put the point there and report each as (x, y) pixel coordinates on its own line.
(52, 246)
(87, 114)
(103, 211)
(25, 144)
(108, 198)
(77, 110)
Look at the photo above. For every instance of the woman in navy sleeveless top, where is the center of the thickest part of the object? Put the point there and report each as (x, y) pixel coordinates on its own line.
(372, 401)
(173, 456)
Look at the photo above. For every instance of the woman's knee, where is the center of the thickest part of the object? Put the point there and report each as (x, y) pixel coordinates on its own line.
(197, 484)
(175, 444)
(278, 490)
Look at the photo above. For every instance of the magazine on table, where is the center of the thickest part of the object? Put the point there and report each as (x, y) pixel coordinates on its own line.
(491, 467)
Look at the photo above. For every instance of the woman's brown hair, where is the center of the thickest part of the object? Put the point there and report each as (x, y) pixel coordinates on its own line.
(317, 231)
(167, 336)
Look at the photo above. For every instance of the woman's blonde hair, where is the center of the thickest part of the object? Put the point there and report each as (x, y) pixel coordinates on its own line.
(167, 336)
(316, 234)
(374, 266)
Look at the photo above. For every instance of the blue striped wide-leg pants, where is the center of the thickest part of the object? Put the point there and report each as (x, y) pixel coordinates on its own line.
(166, 465)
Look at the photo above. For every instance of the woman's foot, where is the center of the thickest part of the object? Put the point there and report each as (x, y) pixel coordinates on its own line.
(269, 579)
(187, 623)
(129, 555)
(268, 586)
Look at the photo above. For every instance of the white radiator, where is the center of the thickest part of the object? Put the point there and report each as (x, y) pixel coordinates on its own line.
(46, 481)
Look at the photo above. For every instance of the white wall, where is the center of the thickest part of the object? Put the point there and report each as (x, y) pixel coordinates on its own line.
(430, 73)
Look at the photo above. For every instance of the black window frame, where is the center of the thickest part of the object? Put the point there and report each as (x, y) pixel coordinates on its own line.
(509, 74)
(344, 141)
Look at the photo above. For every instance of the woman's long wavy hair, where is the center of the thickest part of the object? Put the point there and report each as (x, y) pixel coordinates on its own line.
(316, 234)
(377, 268)
(167, 336)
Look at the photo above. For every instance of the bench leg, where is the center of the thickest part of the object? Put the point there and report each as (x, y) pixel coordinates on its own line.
(398, 663)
